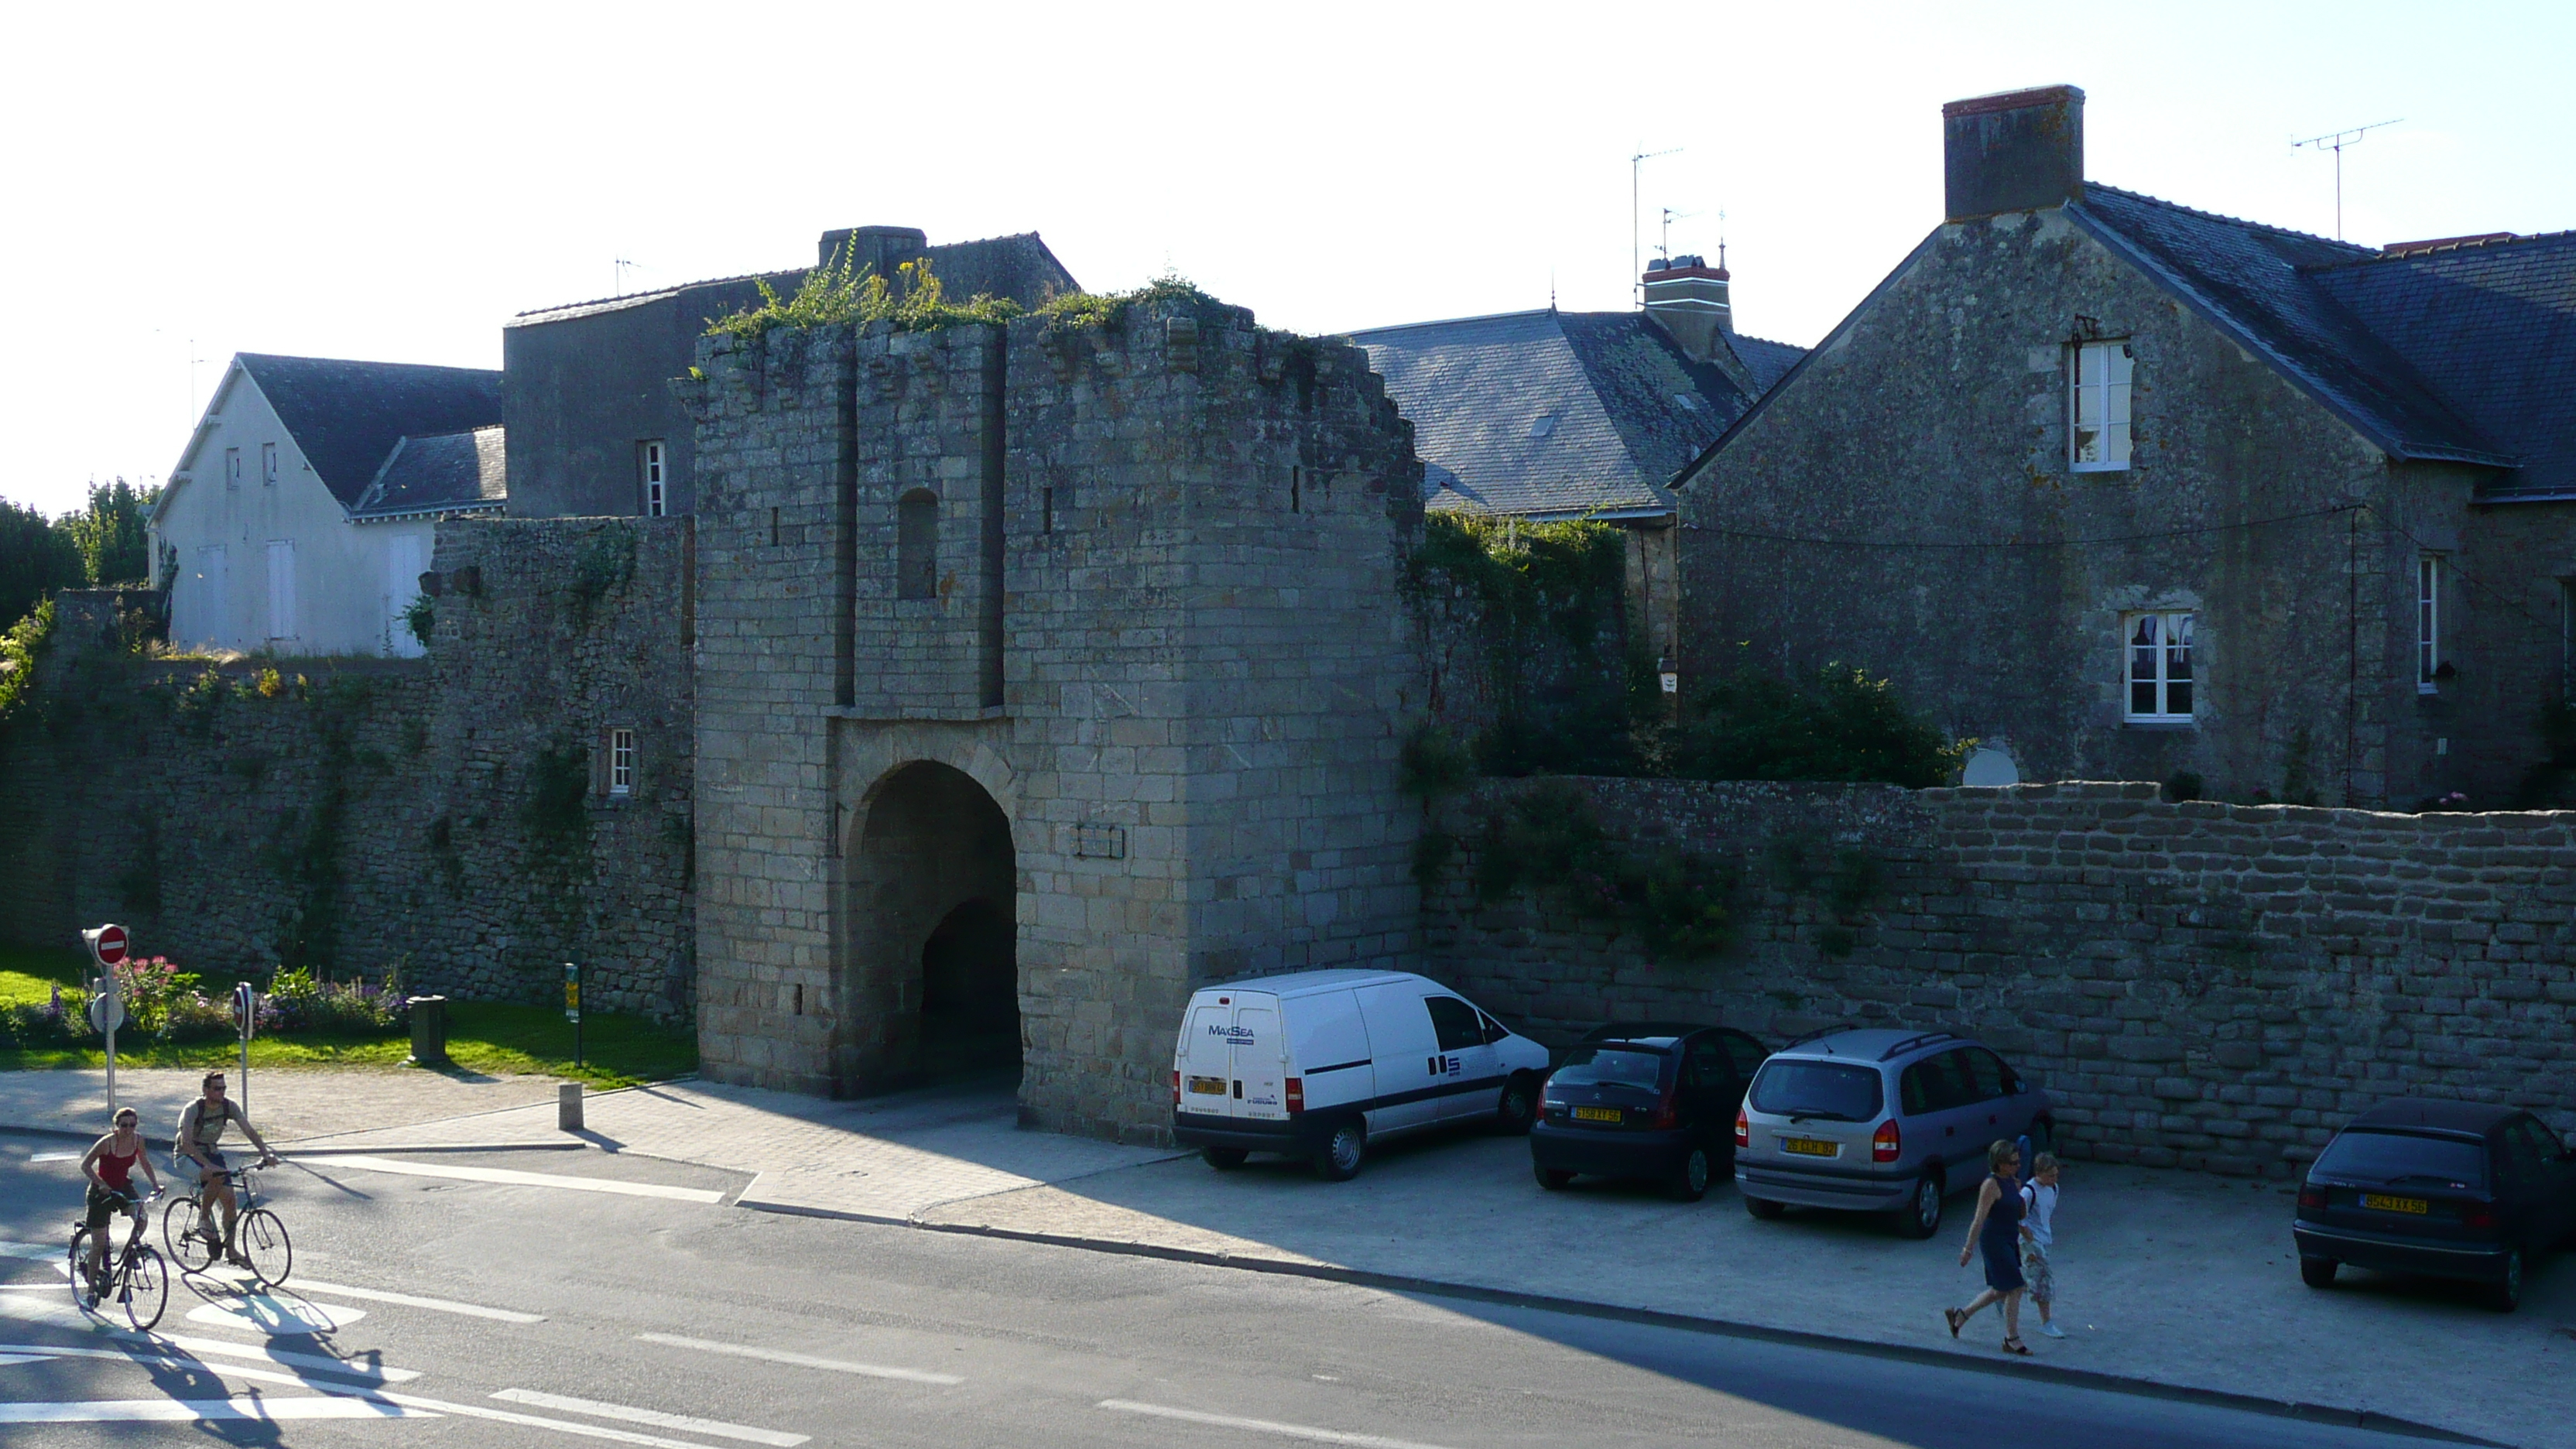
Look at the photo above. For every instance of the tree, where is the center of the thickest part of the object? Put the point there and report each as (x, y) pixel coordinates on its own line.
(114, 548)
(36, 558)
(1836, 723)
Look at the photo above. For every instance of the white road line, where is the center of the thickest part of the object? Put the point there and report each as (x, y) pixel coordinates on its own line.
(266, 1313)
(9, 1360)
(1263, 1426)
(182, 1411)
(39, 1310)
(34, 1252)
(654, 1417)
(566, 1426)
(57, 1157)
(442, 1305)
(801, 1360)
(528, 1179)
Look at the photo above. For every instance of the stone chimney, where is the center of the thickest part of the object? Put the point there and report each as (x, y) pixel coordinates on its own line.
(2017, 151)
(1687, 298)
(880, 249)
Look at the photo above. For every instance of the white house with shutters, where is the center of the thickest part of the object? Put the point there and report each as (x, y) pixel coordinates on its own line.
(300, 517)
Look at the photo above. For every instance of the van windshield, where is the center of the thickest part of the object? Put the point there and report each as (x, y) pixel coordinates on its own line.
(1620, 1066)
(1789, 1087)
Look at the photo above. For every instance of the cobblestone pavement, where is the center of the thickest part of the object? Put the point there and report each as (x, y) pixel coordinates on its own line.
(286, 1103)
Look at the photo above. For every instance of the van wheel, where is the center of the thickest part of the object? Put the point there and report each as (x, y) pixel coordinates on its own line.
(1339, 1161)
(1553, 1179)
(1690, 1182)
(1224, 1159)
(1519, 1107)
(1764, 1208)
(2505, 1295)
(2317, 1272)
(1921, 1215)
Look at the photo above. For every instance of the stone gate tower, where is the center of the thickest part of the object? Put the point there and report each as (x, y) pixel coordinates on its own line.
(1043, 672)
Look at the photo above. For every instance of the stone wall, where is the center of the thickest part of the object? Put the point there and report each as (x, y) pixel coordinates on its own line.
(2199, 984)
(358, 815)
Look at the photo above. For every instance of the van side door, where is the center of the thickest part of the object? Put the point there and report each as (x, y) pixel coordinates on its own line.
(1328, 1049)
(1467, 1070)
(1405, 1056)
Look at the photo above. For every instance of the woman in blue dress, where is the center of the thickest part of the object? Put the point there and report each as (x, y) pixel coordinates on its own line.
(1997, 1233)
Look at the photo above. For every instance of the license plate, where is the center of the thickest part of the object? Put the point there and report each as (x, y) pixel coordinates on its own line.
(1811, 1147)
(1596, 1114)
(1208, 1086)
(2382, 1202)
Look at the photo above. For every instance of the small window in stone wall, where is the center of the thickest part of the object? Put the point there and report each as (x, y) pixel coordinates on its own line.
(621, 762)
(2430, 667)
(2099, 407)
(653, 460)
(916, 548)
(2160, 667)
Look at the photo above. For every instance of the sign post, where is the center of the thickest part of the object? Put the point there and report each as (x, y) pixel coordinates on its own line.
(107, 946)
(572, 1006)
(246, 1012)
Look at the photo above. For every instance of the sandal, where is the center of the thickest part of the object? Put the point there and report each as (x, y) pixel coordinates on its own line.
(1956, 1319)
(2015, 1345)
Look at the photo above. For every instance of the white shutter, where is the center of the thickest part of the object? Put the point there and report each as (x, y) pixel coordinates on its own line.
(281, 588)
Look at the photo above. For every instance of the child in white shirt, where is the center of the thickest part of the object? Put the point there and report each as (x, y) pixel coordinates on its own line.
(2038, 1208)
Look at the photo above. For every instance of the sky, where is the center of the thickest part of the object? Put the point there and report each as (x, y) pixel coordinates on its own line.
(187, 182)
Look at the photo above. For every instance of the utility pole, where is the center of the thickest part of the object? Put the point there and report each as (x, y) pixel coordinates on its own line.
(2335, 141)
(1636, 233)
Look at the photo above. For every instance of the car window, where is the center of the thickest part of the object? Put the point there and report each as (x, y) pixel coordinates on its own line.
(1455, 1022)
(2394, 1157)
(1914, 1090)
(1745, 1052)
(1945, 1082)
(1494, 1030)
(1836, 1091)
(2543, 1139)
(1708, 1058)
(1622, 1066)
(1986, 1073)
(2524, 1161)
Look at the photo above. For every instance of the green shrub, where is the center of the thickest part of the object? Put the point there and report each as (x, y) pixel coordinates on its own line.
(841, 292)
(19, 646)
(1834, 724)
(1549, 841)
(420, 616)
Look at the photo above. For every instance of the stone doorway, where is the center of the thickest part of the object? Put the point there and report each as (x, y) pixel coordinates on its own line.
(933, 898)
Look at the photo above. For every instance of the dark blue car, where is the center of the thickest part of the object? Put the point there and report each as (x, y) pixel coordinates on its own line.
(1653, 1100)
(2443, 1189)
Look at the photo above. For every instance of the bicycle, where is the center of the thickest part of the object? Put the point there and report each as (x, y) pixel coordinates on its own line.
(136, 1277)
(188, 1230)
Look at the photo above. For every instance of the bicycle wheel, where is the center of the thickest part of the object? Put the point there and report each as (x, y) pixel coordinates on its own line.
(179, 1234)
(143, 1289)
(261, 1237)
(80, 1266)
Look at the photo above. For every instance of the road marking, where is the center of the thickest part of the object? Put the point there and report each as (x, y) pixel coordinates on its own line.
(266, 1313)
(180, 1411)
(801, 1360)
(1263, 1426)
(34, 1252)
(529, 1179)
(41, 1310)
(442, 1305)
(57, 1157)
(654, 1417)
(9, 1359)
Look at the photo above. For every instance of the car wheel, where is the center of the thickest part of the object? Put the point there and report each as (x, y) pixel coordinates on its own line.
(1764, 1208)
(2317, 1272)
(1553, 1179)
(1339, 1161)
(1690, 1182)
(1224, 1159)
(1519, 1107)
(2506, 1295)
(1921, 1215)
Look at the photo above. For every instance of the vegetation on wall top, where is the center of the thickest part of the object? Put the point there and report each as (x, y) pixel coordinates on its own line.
(1836, 723)
(19, 646)
(842, 292)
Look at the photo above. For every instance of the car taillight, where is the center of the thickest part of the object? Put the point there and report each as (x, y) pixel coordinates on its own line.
(1886, 1144)
(1296, 1095)
(1668, 1109)
(2477, 1217)
(1743, 1129)
(1176, 1086)
(2312, 1198)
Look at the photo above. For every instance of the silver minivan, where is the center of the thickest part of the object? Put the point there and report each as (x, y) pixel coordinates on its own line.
(1879, 1120)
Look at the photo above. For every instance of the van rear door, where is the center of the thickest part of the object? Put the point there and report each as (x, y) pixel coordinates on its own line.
(1260, 1056)
(1207, 1058)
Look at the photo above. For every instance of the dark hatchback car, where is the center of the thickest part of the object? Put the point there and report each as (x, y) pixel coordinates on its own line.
(2444, 1189)
(1651, 1100)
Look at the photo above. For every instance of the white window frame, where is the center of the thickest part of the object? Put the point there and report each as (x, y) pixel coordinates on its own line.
(232, 469)
(655, 459)
(2428, 623)
(2158, 626)
(2100, 378)
(621, 762)
(268, 464)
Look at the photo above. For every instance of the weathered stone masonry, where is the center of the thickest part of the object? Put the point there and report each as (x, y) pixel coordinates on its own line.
(2198, 984)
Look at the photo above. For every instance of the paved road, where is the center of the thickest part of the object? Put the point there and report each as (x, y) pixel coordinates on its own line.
(626, 1301)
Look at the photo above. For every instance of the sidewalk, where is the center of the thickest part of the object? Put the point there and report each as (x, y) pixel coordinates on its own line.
(2174, 1278)
(284, 1103)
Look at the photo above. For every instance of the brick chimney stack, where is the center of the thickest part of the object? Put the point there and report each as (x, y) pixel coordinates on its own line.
(2016, 151)
(1688, 299)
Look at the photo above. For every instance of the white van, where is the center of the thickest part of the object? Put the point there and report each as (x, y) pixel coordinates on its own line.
(1318, 1063)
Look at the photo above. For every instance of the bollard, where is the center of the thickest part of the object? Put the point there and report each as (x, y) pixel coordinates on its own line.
(429, 1031)
(568, 1107)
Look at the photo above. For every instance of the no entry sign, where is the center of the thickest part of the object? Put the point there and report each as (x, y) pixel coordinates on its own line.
(107, 943)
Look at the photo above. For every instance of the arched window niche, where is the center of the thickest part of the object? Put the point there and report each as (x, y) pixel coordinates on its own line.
(916, 548)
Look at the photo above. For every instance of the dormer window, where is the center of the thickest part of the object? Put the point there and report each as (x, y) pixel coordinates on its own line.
(2099, 407)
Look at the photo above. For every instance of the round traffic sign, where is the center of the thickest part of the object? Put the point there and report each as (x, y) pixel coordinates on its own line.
(109, 944)
(107, 1011)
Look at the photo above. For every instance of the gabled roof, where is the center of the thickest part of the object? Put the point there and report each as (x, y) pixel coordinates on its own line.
(442, 473)
(1018, 266)
(347, 416)
(1554, 414)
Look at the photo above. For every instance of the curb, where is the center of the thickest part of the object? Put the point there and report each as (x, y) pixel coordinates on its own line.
(164, 1144)
(2096, 1379)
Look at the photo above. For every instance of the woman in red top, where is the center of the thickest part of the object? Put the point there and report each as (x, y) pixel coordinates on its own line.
(110, 1169)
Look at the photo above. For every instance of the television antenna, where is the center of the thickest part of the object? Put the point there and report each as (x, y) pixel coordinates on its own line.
(623, 267)
(1664, 248)
(2336, 141)
(1636, 238)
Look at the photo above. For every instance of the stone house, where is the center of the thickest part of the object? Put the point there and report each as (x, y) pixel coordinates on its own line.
(1558, 415)
(593, 428)
(2132, 491)
(302, 512)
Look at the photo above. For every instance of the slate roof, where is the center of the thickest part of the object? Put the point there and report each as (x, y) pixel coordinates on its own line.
(441, 473)
(347, 416)
(1556, 414)
(1018, 266)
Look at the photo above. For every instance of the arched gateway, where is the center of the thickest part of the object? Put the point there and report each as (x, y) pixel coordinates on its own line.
(931, 916)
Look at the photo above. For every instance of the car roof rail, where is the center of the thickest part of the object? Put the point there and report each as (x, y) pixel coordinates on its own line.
(1822, 1031)
(1911, 1042)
